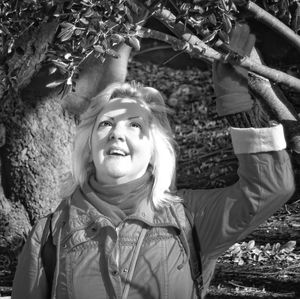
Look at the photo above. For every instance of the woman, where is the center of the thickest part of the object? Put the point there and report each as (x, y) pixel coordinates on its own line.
(122, 232)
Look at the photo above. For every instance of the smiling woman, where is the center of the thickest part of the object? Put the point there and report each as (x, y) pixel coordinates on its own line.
(120, 143)
(124, 132)
(125, 231)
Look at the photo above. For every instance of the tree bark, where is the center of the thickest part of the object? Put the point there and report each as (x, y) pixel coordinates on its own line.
(35, 144)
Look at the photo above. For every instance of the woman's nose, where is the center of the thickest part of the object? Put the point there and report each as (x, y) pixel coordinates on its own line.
(117, 133)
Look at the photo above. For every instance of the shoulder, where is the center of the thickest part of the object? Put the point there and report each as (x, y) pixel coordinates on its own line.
(183, 214)
(35, 236)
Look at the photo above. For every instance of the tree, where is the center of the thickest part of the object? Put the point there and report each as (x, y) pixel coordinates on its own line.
(64, 41)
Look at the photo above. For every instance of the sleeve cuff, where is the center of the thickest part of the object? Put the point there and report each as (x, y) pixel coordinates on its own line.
(255, 140)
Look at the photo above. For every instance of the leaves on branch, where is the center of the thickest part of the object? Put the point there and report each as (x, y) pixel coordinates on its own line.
(100, 26)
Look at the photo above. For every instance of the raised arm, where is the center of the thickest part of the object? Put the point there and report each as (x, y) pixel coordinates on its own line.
(223, 216)
(95, 75)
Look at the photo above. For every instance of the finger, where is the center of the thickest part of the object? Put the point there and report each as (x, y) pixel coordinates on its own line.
(215, 70)
(242, 40)
(239, 38)
(222, 70)
(249, 45)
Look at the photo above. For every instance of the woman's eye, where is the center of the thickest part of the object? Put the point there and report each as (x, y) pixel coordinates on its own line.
(105, 123)
(136, 125)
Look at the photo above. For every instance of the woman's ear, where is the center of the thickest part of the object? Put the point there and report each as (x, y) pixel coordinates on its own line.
(90, 144)
(152, 159)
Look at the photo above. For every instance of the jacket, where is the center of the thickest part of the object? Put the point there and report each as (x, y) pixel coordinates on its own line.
(95, 258)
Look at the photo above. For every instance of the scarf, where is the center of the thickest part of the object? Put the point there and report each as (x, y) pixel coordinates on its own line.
(118, 201)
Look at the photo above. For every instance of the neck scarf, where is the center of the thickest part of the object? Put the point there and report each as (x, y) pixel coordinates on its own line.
(118, 201)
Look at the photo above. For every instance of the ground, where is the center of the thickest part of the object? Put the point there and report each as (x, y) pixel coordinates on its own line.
(275, 277)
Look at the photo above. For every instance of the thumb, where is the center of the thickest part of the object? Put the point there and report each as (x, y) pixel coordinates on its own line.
(241, 40)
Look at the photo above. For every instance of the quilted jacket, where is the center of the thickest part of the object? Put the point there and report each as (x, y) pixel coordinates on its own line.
(95, 258)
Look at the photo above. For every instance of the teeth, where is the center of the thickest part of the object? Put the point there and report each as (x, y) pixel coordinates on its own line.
(117, 152)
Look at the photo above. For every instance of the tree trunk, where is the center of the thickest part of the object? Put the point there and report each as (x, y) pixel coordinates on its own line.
(35, 140)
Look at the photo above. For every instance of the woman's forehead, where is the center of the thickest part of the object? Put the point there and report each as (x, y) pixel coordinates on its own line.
(125, 107)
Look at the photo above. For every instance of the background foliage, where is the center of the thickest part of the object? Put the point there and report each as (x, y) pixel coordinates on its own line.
(91, 25)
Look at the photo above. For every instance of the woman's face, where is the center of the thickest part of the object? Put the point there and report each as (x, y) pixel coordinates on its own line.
(121, 146)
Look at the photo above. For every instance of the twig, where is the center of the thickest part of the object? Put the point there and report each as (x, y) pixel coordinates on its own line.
(173, 57)
(240, 286)
(173, 41)
(156, 48)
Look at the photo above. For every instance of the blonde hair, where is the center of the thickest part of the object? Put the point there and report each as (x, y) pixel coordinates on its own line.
(163, 160)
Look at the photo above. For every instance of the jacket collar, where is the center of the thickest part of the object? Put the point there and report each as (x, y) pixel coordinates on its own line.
(75, 213)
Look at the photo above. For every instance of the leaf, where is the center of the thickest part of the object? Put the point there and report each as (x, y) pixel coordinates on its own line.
(236, 249)
(55, 83)
(128, 15)
(226, 23)
(69, 81)
(89, 13)
(133, 42)
(256, 251)
(99, 49)
(212, 19)
(84, 21)
(90, 41)
(68, 56)
(60, 64)
(223, 36)
(261, 258)
(66, 31)
(250, 245)
(65, 90)
(224, 5)
(67, 25)
(133, 6)
(52, 70)
(198, 9)
(241, 262)
(275, 248)
(289, 246)
(296, 22)
(268, 246)
(210, 37)
(232, 6)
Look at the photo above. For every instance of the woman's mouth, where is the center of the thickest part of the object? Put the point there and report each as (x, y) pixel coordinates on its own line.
(117, 152)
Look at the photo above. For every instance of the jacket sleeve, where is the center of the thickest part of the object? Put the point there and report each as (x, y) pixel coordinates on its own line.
(222, 216)
(30, 280)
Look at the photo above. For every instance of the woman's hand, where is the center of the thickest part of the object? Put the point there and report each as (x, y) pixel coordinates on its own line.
(231, 81)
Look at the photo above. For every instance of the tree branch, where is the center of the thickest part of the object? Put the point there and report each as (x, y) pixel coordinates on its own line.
(208, 53)
(32, 48)
(272, 22)
(278, 103)
(176, 43)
